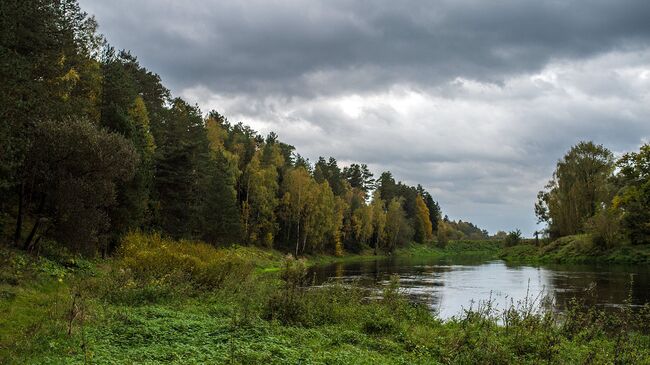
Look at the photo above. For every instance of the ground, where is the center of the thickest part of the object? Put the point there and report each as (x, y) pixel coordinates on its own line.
(160, 301)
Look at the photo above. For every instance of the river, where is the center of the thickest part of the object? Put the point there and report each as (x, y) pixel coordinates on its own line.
(448, 287)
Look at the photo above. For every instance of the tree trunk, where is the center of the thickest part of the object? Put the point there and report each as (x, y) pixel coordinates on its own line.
(298, 237)
(298, 234)
(376, 244)
(32, 233)
(248, 207)
(19, 218)
(28, 242)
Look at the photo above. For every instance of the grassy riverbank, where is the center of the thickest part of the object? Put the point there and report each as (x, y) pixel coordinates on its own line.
(464, 248)
(576, 249)
(479, 250)
(164, 302)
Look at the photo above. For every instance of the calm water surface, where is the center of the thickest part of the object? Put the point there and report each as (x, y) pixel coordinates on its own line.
(448, 287)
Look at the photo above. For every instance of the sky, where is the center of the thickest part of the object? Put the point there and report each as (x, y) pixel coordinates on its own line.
(476, 100)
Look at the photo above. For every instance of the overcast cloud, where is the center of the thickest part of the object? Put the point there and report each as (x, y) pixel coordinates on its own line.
(475, 100)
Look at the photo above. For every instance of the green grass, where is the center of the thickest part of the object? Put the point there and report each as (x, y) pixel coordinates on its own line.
(479, 249)
(124, 316)
(484, 249)
(576, 249)
(322, 259)
(463, 249)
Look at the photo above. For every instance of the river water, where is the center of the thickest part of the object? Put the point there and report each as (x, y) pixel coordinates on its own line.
(450, 286)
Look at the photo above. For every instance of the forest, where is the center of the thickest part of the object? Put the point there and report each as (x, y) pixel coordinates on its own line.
(95, 146)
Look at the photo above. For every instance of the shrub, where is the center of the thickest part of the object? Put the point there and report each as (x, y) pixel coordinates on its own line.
(513, 238)
(380, 322)
(297, 303)
(288, 304)
(605, 228)
(152, 259)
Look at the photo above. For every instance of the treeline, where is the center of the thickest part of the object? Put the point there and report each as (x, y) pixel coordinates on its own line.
(592, 192)
(461, 230)
(93, 145)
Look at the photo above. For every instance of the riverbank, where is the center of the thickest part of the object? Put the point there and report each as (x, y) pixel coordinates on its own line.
(578, 249)
(484, 249)
(165, 302)
(479, 250)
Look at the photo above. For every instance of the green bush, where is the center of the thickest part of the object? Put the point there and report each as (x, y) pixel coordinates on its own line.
(513, 238)
(380, 322)
(157, 261)
(295, 302)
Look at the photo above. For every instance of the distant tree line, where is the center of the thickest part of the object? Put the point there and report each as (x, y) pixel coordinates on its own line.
(592, 192)
(93, 145)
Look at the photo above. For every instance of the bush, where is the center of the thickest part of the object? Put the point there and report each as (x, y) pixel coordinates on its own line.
(513, 238)
(297, 303)
(380, 322)
(288, 304)
(153, 260)
(605, 228)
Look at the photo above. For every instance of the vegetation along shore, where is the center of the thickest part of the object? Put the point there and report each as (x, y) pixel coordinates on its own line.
(166, 301)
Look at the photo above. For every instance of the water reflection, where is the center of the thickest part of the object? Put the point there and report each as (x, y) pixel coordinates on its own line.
(448, 287)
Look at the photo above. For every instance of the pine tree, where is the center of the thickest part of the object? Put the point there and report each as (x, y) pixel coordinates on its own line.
(181, 163)
(220, 212)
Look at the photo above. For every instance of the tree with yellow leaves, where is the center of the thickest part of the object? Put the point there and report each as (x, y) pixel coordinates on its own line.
(423, 227)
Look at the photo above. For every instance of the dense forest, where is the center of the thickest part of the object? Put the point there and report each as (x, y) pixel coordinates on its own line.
(93, 146)
(592, 192)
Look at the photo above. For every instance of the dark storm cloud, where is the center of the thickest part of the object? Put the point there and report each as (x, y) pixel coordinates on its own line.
(298, 48)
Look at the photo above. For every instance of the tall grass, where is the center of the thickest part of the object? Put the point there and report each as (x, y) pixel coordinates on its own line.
(150, 268)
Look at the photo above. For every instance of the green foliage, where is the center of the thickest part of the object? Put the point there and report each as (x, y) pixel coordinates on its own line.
(295, 303)
(588, 195)
(151, 259)
(124, 111)
(182, 162)
(633, 198)
(578, 188)
(513, 238)
(378, 215)
(329, 171)
(359, 177)
(457, 249)
(459, 230)
(70, 178)
(398, 231)
(47, 74)
(435, 214)
(577, 249)
(220, 210)
(605, 228)
(261, 196)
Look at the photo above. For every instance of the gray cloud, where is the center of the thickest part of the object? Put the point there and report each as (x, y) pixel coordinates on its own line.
(316, 47)
(474, 100)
